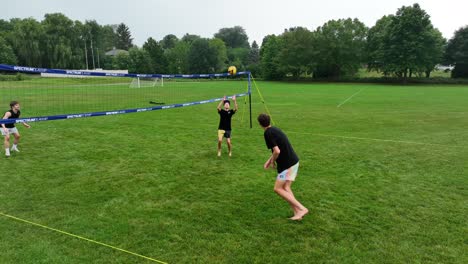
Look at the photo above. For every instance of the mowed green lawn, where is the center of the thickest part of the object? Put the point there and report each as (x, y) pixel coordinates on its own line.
(385, 177)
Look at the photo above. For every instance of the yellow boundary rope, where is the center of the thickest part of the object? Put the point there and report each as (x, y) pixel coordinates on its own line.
(263, 99)
(82, 238)
(245, 106)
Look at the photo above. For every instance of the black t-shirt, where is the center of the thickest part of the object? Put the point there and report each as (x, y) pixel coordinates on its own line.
(13, 115)
(274, 137)
(225, 119)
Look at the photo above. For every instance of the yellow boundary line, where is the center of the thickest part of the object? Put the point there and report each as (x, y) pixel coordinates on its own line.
(82, 238)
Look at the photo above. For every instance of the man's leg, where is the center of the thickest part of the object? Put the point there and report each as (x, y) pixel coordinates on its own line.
(220, 140)
(7, 145)
(289, 197)
(287, 188)
(15, 142)
(228, 140)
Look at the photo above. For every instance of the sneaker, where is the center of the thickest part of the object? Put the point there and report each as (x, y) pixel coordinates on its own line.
(15, 149)
(230, 154)
(219, 153)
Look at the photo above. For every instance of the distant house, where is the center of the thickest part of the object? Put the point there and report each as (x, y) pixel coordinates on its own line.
(444, 67)
(115, 52)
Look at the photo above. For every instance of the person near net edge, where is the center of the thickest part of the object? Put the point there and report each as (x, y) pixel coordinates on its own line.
(224, 128)
(8, 129)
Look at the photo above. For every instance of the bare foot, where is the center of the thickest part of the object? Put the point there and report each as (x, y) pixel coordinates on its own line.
(296, 211)
(300, 214)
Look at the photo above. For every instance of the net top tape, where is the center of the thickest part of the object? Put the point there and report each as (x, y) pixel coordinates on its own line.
(24, 69)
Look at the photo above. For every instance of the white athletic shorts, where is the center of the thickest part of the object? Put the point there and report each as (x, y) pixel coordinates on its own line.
(288, 174)
(12, 130)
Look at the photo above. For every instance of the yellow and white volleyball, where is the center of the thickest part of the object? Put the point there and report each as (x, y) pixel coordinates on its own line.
(232, 70)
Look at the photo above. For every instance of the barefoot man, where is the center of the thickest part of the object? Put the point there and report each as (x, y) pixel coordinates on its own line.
(287, 164)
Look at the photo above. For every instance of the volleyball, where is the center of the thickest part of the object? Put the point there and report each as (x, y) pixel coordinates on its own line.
(232, 70)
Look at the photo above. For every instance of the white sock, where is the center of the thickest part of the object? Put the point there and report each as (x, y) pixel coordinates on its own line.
(7, 151)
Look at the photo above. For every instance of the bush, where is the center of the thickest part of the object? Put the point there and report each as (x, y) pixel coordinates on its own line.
(14, 77)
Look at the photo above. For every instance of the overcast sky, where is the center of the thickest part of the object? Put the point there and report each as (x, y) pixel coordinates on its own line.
(154, 18)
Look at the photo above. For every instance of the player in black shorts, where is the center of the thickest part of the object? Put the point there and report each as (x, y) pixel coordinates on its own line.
(224, 128)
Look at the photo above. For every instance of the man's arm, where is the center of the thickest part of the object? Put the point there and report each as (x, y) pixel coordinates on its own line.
(26, 125)
(221, 103)
(235, 103)
(6, 116)
(271, 161)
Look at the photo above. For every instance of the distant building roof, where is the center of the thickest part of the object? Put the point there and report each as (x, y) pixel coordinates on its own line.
(115, 52)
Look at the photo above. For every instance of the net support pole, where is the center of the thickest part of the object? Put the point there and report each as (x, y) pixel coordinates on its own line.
(250, 101)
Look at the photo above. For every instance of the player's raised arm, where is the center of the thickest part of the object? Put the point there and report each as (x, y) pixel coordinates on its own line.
(221, 103)
(236, 107)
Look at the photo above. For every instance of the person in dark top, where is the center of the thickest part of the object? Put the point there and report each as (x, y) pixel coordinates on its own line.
(8, 129)
(224, 128)
(287, 163)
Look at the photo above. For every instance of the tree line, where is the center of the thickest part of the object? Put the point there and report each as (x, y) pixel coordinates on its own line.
(403, 45)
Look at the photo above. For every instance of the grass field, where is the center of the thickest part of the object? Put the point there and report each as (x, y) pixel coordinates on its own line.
(385, 176)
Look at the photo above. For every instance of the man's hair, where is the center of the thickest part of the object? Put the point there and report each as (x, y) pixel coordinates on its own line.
(264, 120)
(227, 101)
(13, 103)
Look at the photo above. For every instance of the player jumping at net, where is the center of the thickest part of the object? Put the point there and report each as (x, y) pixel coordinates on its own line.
(224, 128)
(287, 164)
(8, 129)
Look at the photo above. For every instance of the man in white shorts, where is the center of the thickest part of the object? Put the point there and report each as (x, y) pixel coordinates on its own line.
(287, 163)
(10, 129)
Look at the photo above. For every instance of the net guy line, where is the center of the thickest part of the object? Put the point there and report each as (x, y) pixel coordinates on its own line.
(82, 238)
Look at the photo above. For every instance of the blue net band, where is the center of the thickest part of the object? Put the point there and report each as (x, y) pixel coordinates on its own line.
(115, 112)
(5, 67)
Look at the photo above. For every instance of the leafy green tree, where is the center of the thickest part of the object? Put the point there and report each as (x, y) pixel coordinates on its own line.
(190, 38)
(405, 43)
(376, 45)
(7, 31)
(340, 46)
(435, 44)
(27, 39)
(58, 35)
(238, 57)
(156, 55)
(5, 27)
(169, 41)
(7, 56)
(296, 55)
(269, 53)
(202, 57)
(121, 61)
(139, 61)
(124, 37)
(221, 51)
(234, 37)
(253, 61)
(108, 38)
(456, 53)
(254, 54)
(177, 58)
